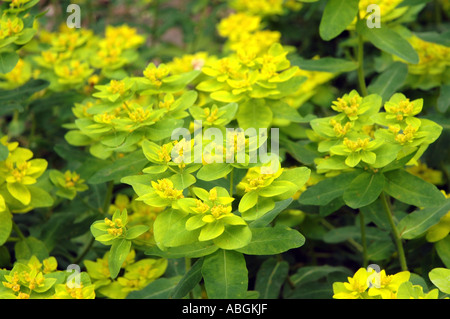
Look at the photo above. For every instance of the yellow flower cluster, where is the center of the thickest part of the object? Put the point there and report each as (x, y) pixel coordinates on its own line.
(434, 59)
(35, 279)
(370, 284)
(265, 7)
(440, 230)
(20, 75)
(75, 55)
(245, 34)
(428, 174)
(136, 276)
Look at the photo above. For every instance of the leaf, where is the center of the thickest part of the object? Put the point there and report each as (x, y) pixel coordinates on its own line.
(254, 114)
(195, 250)
(388, 82)
(270, 277)
(23, 92)
(225, 275)
(214, 171)
(327, 190)
(338, 14)
(8, 61)
(364, 190)
(443, 250)
(313, 273)
(233, 237)
(170, 229)
(418, 222)
(273, 240)
(136, 231)
(327, 64)
(4, 152)
(161, 288)
(411, 189)
(188, 281)
(440, 277)
(5, 226)
(268, 217)
(120, 249)
(443, 101)
(29, 247)
(129, 165)
(389, 41)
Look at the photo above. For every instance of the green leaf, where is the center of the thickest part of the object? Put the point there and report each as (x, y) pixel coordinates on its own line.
(388, 82)
(440, 277)
(214, 171)
(327, 190)
(418, 222)
(270, 277)
(188, 281)
(443, 250)
(234, 237)
(268, 217)
(8, 61)
(389, 41)
(225, 275)
(161, 288)
(254, 114)
(248, 201)
(411, 189)
(131, 164)
(327, 64)
(313, 273)
(29, 247)
(194, 250)
(170, 229)
(272, 241)
(136, 231)
(23, 92)
(364, 190)
(5, 226)
(338, 14)
(4, 152)
(120, 249)
(443, 101)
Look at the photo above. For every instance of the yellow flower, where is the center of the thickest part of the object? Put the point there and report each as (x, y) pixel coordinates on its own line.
(20, 75)
(156, 74)
(258, 7)
(440, 230)
(237, 24)
(426, 173)
(387, 286)
(355, 288)
(164, 188)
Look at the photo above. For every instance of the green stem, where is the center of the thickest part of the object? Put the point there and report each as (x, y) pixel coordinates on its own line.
(103, 210)
(108, 197)
(361, 78)
(395, 233)
(360, 58)
(231, 182)
(363, 239)
(155, 22)
(17, 230)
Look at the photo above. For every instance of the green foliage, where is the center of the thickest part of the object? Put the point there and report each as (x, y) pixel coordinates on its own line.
(244, 159)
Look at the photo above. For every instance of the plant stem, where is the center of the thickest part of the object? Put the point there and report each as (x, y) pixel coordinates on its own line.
(108, 197)
(363, 239)
(360, 58)
(361, 78)
(18, 231)
(397, 239)
(102, 210)
(231, 182)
